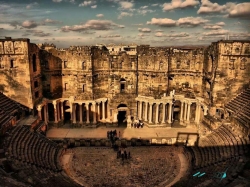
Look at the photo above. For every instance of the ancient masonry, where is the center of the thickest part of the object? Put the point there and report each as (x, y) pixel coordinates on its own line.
(89, 84)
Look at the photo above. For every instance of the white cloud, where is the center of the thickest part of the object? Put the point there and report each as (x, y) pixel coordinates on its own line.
(163, 22)
(144, 7)
(86, 3)
(144, 11)
(126, 5)
(184, 22)
(182, 34)
(94, 6)
(99, 15)
(51, 21)
(179, 4)
(31, 5)
(124, 14)
(29, 24)
(110, 36)
(91, 25)
(213, 27)
(156, 4)
(57, 1)
(208, 7)
(216, 32)
(144, 30)
(240, 10)
(220, 23)
(191, 21)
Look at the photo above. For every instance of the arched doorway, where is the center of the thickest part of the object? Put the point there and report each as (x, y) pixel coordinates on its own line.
(121, 116)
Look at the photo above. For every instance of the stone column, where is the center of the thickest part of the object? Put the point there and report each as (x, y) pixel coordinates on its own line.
(62, 112)
(150, 112)
(87, 111)
(108, 110)
(157, 113)
(181, 114)
(185, 111)
(98, 111)
(74, 112)
(94, 112)
(146, 111)
(58, 111)
(170, 112)
(140, 110)
(80, 105)
(39, 109)
(198, 113)
(103, 110)
(55, 112)
(163, 112)
(188, 112)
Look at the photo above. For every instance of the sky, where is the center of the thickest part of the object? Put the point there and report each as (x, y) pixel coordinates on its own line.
(153, 22)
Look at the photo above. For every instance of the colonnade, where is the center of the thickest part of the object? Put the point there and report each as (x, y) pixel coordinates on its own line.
(149, 107)
(98, 110)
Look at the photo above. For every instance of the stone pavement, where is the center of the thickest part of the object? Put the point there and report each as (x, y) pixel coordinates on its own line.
(127, 133)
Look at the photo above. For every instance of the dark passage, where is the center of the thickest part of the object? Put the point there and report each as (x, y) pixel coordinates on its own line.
(121, 117)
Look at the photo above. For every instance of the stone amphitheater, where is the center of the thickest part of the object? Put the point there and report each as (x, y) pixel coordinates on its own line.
(56, 106)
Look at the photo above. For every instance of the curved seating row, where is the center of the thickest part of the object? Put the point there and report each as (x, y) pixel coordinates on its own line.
(33, 148)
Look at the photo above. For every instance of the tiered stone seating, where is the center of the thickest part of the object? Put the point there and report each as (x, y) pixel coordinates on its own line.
(240, 106)
(33, 148)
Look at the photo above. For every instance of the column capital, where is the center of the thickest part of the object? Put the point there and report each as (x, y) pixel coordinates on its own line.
(54, 102)
(150, 103)
(80, 104)
(39, 107)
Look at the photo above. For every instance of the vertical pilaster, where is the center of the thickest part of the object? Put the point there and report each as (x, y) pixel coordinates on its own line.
(87, 111)
(170, 112)
(181, 114)
(146, 111)
(62, 112)
(157, 113)
(103, 110)
(163, 112)
(108, 110)
(98, 111)
(150, 112)
(74, 112)
(188, 112)
(58, 111)
(55, 112)
(80, 106)
(198, 113)
(47, 112)
(185, 111)
(140, 110)
(94, 112)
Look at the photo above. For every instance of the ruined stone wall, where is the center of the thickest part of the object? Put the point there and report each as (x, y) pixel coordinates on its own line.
(69, 72)
(152, 71)
(15, 76)
(227, 71)
(186, 70)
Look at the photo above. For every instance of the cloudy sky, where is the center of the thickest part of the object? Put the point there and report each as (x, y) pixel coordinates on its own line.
(154, 22)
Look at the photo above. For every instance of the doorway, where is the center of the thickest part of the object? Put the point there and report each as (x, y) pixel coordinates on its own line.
(121, 116)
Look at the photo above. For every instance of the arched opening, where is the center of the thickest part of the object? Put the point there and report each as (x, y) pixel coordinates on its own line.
(34, 62)
(122, 85)
(122, 112)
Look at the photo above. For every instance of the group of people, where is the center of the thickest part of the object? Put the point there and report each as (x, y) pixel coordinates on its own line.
(122, 153)
(112, 135)
(137, 124)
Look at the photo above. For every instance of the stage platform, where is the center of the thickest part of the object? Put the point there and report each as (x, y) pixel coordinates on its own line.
(152, 134)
